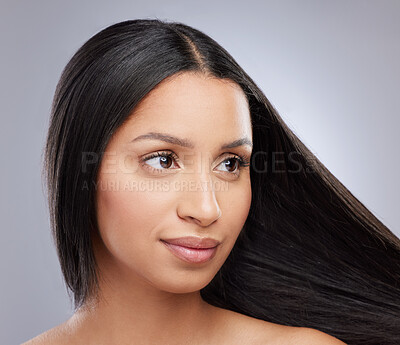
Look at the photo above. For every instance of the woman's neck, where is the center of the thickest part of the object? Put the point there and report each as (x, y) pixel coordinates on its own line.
(139, 314)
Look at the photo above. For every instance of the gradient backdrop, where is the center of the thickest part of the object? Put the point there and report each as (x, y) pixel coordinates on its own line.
(331, 69)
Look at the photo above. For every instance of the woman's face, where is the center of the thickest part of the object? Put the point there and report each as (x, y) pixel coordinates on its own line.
(198, 189)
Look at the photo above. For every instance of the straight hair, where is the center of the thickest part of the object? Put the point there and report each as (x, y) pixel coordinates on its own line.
(310, 254)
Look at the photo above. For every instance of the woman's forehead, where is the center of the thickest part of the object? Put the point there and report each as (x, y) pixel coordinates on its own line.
(193, 102)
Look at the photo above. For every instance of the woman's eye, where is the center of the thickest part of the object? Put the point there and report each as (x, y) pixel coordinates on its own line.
(164, 161)
(233, 164)
(160, 161)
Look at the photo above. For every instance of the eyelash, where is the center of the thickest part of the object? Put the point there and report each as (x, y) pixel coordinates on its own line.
(243, 160)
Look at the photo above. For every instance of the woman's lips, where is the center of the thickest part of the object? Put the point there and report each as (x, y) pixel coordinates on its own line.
(202, 253)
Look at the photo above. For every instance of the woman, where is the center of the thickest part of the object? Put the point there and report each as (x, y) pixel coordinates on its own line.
(185, 211)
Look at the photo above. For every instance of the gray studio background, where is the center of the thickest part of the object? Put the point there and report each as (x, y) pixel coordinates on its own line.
(331, 68)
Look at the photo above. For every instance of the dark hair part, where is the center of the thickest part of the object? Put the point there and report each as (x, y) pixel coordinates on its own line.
(310, 253)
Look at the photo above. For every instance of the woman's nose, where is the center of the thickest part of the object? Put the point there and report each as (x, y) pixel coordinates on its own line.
(198, 201)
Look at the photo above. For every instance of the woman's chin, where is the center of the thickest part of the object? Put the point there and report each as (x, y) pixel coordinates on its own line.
(183, 286)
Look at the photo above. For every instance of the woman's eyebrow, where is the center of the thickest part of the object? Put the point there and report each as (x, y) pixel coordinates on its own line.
(187, 143)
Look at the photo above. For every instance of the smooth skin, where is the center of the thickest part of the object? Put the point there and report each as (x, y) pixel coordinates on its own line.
(147, 294)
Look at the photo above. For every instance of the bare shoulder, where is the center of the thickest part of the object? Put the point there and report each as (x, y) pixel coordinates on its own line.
(243, 329)
(310, 336)
(276, 334)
